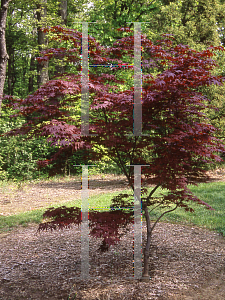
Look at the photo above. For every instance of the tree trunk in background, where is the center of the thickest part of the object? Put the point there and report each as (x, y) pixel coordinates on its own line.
(31, 77)
(63, 11)
(11, 70)
(10, 76)
(63, 14)
(42, 67)
(3, 52)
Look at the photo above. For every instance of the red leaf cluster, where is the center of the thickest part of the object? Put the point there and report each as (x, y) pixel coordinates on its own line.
(103, 225)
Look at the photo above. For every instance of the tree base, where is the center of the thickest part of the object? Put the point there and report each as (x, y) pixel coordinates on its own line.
(145, 278)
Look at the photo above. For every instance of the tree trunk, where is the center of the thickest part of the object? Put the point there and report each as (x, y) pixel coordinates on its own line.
(31, 77)
(3, 52)
(145, 275)
(63, 11)
(63, 14)
(10, 76)
(42, 67)
(10, 70)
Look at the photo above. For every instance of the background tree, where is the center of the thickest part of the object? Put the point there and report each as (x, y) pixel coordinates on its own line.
(177, 17)
(195, 23)
(3, 51)
(63, 11)
(42, 42)
(21, 43)
(21, 79)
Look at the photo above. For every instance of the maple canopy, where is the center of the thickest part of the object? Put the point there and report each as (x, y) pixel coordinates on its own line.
(178, 139)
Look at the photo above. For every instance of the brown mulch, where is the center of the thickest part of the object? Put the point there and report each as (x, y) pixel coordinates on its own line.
(27, 197)
(186, 262)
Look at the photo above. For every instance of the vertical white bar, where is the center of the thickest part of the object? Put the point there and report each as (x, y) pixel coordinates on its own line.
(137, 111)
(137, 223)
(84, 226)
(84, 82)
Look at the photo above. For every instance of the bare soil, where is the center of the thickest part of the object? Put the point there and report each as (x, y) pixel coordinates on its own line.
(186, 262)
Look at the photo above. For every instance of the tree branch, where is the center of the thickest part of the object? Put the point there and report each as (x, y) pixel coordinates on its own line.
(162, 216)
(152, 192)
(123, 168)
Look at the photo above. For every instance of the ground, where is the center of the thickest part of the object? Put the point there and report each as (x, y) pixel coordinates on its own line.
(186, 262)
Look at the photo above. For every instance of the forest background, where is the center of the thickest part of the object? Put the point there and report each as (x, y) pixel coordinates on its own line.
(198, 24)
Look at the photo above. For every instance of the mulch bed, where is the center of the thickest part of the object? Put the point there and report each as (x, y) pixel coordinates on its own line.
(186, 262)
(183, 260)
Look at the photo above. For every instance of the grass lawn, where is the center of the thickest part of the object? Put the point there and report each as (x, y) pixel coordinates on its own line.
(212, 193)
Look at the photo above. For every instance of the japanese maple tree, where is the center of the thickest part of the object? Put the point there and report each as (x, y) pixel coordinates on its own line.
(177, 140)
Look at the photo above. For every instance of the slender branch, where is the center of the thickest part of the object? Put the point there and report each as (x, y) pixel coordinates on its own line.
(145, 207)
(162, 216)
(151, 193)
(123, 168)
(106, 118)
(156, 206)
(135, 145)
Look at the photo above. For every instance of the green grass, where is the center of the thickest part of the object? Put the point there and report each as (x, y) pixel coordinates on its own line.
(7, 223)
(211, 193)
